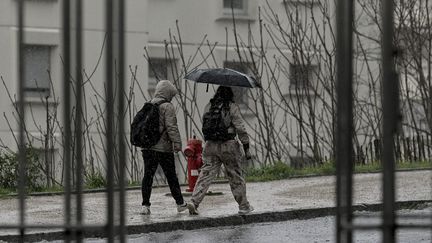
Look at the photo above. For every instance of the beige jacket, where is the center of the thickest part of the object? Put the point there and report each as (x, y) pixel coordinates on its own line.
(237, 124)
(170, 140)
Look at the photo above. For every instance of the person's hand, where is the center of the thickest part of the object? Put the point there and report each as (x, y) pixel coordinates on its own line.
(177, 149)
(246, 150)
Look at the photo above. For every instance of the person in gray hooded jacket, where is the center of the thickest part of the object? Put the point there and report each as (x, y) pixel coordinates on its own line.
(163, 151)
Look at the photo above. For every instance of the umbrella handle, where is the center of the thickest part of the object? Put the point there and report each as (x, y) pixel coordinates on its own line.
(207, 88)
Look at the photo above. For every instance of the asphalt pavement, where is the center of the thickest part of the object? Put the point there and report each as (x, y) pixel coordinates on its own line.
(298, 198)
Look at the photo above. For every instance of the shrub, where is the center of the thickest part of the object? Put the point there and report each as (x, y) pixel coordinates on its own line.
(276, 171)
(95, 180)
(9, 170)
(280, 170)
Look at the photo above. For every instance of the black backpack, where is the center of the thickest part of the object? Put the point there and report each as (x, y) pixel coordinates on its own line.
(145, 126)
(216, 123)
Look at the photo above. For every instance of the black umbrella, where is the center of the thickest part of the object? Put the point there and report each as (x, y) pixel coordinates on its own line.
(222, 76)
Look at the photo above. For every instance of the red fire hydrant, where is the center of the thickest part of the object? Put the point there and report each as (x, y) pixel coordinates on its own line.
(193, 151)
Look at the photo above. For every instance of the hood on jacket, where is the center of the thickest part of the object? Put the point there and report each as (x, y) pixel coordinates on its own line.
(165, 90)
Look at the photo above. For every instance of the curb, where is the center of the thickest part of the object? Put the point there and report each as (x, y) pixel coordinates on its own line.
(96, 190)
(232, 220)
(221, 181)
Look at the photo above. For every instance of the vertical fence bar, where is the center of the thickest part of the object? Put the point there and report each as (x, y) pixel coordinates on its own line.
(344, 126)
(78, 119)
(110, 118)
(21, 100)
(390, 110)
(121, 123)
(66, 117)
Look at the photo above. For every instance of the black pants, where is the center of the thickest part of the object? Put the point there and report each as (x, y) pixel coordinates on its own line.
(151, 161)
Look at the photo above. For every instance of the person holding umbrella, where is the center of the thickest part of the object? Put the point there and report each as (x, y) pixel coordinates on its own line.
(222, 123)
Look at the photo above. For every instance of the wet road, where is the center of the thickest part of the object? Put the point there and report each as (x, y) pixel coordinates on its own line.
(316, 230)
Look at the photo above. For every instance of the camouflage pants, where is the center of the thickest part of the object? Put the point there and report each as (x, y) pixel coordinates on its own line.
(215, 154)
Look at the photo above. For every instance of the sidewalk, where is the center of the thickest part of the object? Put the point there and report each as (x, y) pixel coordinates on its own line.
(279, 200)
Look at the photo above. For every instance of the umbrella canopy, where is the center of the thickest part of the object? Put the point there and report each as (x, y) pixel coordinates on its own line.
(222, 76)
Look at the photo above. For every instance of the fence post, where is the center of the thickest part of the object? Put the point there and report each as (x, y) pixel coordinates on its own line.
(421, 148)
(66, 42)
(428, 146)
(377, 148)
(22, 181)
(344, 119)
(390, 108)
(371, 152)
(398, 148)
(414, 148)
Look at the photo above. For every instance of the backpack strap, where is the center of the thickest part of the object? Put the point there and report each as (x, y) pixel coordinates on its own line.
(223, 107)
(226, 107)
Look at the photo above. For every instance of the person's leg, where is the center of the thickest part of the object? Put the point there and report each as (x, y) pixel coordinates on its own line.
(207, 174)
(168, 166)
(150, 166)
(232, 159)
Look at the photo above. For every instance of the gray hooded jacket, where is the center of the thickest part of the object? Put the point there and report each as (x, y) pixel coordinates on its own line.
(170, 140)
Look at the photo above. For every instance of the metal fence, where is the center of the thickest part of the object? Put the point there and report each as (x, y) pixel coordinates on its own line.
(407, 149)
(344, 136)
(73, 226)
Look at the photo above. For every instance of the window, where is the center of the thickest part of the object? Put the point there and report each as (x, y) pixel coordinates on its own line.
(244, 10)
(36, 67)
(301, 76)
(240, 93)
(159, 69)
(238, 6)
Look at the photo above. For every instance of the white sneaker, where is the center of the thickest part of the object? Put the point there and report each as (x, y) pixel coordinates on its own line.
(145, 210)
(182, 207)
(192, 209)
(246, 211)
